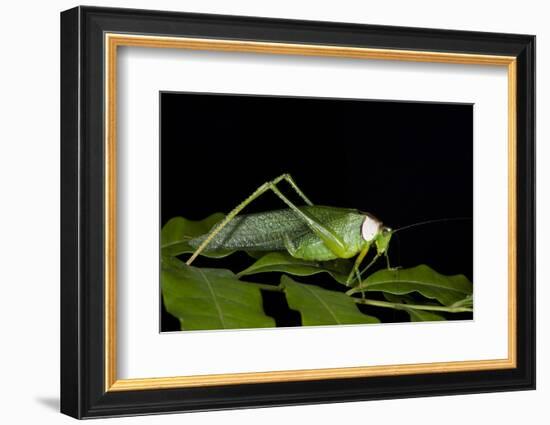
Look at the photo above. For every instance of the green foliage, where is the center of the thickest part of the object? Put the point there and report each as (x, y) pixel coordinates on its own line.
(216, 298)
(176, 234)
(318, 306)
(422, 279)
(415, 315)
(211, 298)
(285, 263)
(467, 302)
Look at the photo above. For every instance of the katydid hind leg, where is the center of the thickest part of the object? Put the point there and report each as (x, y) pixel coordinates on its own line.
(294, 186)
(329, 238)
(289, 245)
(326, 235)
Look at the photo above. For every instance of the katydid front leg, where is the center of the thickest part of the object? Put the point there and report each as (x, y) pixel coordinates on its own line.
(360, 274)
(332, 241)
(354, 273)
(368, 266)
(388, 265)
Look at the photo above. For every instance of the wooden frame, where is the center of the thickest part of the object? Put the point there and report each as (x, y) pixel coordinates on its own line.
(90, 38)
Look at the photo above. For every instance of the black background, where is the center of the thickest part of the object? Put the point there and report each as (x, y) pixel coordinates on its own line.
(404, 162)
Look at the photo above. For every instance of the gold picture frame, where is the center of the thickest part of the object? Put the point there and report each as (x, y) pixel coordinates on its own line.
(88, 48)
(114, 41)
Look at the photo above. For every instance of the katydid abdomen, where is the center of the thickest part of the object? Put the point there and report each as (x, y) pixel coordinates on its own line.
(284, 230)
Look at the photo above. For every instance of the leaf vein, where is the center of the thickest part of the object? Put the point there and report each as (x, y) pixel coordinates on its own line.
(323, 303)
(213, 297)
(409, 281)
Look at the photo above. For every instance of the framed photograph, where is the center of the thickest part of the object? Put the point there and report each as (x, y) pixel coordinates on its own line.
(261, 212)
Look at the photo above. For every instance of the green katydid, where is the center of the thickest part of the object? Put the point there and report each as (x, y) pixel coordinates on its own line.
(310, 232)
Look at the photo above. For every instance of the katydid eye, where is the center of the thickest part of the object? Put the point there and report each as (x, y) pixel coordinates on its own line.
(369, 228)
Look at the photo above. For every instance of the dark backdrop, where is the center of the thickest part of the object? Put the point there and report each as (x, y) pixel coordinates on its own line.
(404, 162)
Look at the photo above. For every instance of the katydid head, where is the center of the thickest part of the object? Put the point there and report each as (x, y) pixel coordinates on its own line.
(383, 239)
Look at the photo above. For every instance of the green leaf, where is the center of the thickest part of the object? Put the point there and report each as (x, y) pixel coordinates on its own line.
(414, 314)
(466, 302)
(285, 263)
(422, 279)
(424, 316)
(204, 298)
(176, 233)
(319, 306)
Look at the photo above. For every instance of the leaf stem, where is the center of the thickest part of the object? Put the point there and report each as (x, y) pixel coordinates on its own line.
(398, 306)
(265, 287)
